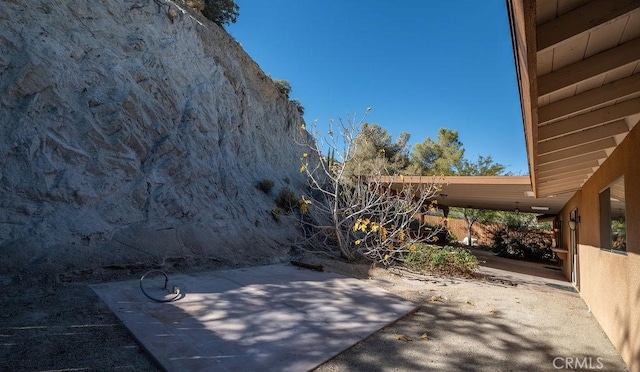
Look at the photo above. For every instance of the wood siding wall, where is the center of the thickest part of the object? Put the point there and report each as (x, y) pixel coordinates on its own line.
(459, 228)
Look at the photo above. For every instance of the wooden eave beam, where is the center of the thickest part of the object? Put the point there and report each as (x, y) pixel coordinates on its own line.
(584, 173)
(581, 20)
(488, 181)
(568, 178)
(568, 185)
(531, 100)
(587, 166)
(582, 159)
(583, 137)
(557, 186)
(594, 97)
(557, 190)
(597, 64)
(522, 23)
(602, 144)
(589, 119)
(451, 181)
(564, 181)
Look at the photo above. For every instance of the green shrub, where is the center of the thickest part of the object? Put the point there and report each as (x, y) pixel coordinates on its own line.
(265, 186)
(220, 11)
(447, 259)
(286, 200)
(418, 228)
(522, 242)
(283, 87)
(296, 103)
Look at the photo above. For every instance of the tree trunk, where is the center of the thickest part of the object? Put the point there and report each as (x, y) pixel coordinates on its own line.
(469, 232)
(341, 241)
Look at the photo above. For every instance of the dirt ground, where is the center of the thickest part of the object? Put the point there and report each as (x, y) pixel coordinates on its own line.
(63, 327)
(498, 321)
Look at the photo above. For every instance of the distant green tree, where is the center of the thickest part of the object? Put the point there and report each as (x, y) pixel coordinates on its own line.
(440, 157)
(373, 137)
(471, 216)
(483, 166)
(516, 220)
(221, 12)
(376, 152)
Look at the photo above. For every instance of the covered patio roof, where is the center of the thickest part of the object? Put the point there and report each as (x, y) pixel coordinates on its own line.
(486, 192)
(578, 69)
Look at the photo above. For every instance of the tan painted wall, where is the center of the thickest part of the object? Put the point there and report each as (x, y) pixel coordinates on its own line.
(565, 243)
(610, 283)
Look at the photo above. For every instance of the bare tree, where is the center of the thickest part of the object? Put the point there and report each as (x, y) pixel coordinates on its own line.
(483, 166)
(355, 213)
(471, 216)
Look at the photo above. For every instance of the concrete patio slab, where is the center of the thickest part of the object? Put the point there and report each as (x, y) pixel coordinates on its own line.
(278, 317)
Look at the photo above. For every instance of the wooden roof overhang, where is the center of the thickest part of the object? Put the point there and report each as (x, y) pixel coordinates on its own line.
(578, 70)
(504, 193)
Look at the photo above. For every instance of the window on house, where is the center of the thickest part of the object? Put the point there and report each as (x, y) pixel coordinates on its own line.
(613, 222)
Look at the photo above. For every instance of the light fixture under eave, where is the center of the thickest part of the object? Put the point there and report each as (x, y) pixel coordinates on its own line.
(572, 224)
(539, 208)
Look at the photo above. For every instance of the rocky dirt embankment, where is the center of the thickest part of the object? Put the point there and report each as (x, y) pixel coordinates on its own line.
(134, 132)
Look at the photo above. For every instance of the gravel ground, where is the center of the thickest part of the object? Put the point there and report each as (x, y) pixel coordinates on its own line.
(501, 321)
(65, 327)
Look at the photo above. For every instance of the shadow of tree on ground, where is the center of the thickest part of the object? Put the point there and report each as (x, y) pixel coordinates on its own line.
(457, 340)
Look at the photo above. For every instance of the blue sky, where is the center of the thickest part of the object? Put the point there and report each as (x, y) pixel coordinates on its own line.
(420, 64)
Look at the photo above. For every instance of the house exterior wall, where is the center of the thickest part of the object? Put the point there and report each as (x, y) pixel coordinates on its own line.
(572, 204)
(610, 282)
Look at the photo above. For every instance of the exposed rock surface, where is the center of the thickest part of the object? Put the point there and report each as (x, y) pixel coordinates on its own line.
(134, 132)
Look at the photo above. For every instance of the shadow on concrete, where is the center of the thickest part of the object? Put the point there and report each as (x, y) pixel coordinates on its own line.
(543, 270)
(458, 341)
(286, 318)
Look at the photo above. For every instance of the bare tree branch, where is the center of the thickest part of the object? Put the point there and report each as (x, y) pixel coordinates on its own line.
(359, 214)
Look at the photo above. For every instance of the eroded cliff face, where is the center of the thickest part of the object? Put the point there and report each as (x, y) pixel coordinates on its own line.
(133, 132)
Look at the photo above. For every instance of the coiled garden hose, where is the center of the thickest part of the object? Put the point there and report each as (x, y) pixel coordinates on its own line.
(175, 290)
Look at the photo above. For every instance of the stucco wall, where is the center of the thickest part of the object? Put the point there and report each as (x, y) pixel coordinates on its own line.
(572, 204)
(610, 282)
